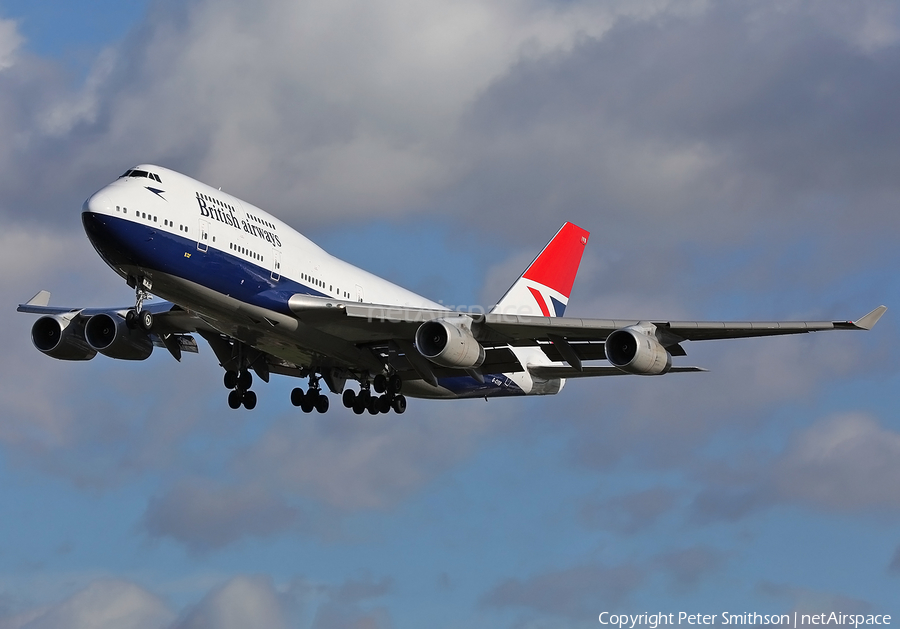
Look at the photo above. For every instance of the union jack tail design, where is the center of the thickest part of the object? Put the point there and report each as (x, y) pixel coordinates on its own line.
(545, 286)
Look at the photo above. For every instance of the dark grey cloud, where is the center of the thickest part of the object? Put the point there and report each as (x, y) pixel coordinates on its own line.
(204, 515)
(813, 601)
(700, 127)
(894, 566)
(628, 513)
(844, 463)
(306, 477)
(573, 592)
(687, 567)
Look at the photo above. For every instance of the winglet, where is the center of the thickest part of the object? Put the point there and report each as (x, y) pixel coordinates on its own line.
(41, 299)
(868, 322)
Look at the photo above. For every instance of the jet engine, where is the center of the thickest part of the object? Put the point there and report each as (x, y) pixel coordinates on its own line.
(61, 338)
(449, 344)
(632, 350)
(111, 336)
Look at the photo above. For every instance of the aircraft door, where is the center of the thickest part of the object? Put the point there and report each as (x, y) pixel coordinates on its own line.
(203, 236)
(276, 265)
(359, 293)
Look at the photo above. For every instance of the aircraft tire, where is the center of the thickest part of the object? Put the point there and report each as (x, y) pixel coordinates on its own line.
(309, 401)
(359, 405)
(131, 319)
(395, 383)
(384, 404)
(249, 400)
(380, 383)
(146, 320)
(244, 380)
(322, 404)
(297, 396)
(234, 399)
(372, 405)
(348, 398)
(230, 379)
(399, 404)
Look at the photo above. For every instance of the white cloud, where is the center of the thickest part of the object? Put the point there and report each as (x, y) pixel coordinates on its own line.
(243, 602)
(10, 41)
(846, 462)
(105, 604)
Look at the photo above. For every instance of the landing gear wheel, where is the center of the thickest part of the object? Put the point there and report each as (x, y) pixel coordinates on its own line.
(297, 396)
(146, 320)
(244, 380)
(131, 319)
(384, 404)
(380, 383)
(348, 398)
(309, 401)
(372, 405)
(359, 405)
(399, 404)
(230, 379)
(235, 399)
(322, 404)
(249, 400)
(395, 383)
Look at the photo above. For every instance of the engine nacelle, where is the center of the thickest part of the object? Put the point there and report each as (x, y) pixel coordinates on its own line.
(61, 338)
(111, 336)
(449, 344)
(631, 349)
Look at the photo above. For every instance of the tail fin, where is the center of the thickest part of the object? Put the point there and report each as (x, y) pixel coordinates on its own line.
(545, 286)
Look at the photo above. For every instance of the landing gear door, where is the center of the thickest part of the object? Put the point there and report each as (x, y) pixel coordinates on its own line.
(203, 236)
(276, 265)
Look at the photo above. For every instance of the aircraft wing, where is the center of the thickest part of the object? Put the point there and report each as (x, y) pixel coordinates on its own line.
(172, 324)
(562, 339)
(524, 330)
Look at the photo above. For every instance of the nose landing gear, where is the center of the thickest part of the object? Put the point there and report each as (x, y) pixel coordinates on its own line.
(137, 316)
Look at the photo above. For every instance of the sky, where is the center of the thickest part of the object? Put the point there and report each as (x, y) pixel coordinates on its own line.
(732, 161)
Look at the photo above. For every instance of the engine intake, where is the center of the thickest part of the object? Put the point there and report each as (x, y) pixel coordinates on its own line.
(632, 350)
(61, 338)
(449, 344)
(111, 336)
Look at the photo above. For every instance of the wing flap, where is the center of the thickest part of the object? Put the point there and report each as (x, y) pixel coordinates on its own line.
(548, 372)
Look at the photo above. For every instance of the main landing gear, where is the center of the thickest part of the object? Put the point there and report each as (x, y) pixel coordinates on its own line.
(381, 395)
(390, 398)
(311, 399)
(239, 382)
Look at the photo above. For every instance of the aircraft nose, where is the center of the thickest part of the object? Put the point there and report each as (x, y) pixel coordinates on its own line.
(98, 203)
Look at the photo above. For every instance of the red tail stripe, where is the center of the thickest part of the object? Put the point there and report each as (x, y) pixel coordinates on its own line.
(540, 301)
(557, 264)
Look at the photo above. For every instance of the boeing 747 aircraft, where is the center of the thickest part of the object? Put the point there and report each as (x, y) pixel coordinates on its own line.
(269, 301)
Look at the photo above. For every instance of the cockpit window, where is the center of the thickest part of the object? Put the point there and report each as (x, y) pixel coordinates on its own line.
(141, 173)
